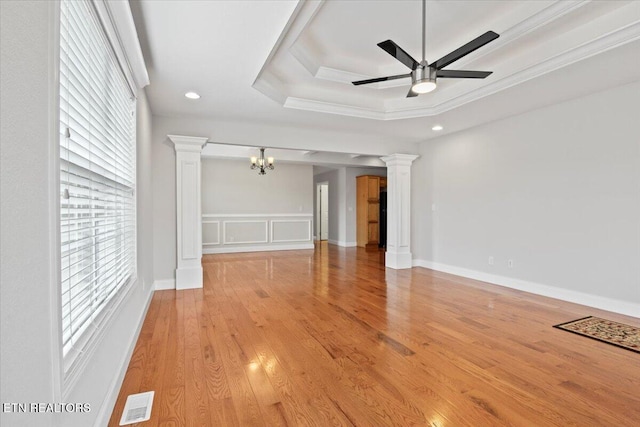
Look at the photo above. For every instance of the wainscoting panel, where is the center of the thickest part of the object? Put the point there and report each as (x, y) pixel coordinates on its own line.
(243, 232)
(210, 232)
(290, 230)
(230, 233)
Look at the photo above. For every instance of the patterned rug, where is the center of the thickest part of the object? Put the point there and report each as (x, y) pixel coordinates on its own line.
(615, 333)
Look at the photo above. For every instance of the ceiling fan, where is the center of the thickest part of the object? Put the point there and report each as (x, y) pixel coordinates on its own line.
(424, 75)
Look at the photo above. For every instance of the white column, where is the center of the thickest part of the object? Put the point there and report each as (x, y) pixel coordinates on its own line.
(398, 253)
(188, 210)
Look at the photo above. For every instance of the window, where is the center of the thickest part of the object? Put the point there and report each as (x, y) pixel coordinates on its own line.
(97, 177)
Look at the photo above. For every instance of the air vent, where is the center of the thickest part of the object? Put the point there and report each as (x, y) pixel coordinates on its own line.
(137, 408)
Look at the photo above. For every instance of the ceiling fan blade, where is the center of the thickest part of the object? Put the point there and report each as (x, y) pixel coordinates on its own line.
(462, 74)
(397, 52)
(462, 51)
(411, 94)
(380, 79)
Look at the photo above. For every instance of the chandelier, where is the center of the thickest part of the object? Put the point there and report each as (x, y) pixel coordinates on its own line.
(260, 163)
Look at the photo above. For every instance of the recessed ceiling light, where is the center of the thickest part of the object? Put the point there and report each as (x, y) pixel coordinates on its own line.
(437, 127)
(192, 95)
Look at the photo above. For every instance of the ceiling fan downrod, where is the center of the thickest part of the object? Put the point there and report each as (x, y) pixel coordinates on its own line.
(423, 79)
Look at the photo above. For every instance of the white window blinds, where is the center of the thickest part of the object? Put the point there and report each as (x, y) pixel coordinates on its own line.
(97, 176)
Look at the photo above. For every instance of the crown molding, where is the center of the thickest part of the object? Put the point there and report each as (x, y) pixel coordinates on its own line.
(271, 86)
(300, 18)
(333, 108)
(117, 21)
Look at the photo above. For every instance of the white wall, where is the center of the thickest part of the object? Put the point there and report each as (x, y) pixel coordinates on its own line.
(27, 286)
(230, 187)
(144, 189)
(557, 190)
(266, 212)
(29, 264)
(273, 134)
(164, 202)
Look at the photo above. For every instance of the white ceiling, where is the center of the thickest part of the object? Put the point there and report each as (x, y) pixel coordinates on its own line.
(283, 64)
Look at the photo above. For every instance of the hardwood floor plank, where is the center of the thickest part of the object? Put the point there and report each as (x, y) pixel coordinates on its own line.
(197, 402)
(171, 411)
(331, 337)
(175, 375)
(221, 410)
(233, 360)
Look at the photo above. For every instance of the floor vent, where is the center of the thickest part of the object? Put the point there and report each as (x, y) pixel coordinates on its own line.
(137, 408)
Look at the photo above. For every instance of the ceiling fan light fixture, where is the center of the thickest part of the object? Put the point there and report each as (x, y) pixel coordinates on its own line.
(424, 86)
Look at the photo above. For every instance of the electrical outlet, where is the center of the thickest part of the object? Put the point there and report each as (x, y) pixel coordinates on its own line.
(490, 260)
(510, 263)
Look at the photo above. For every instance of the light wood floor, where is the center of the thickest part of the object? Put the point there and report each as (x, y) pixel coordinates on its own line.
(329, 337)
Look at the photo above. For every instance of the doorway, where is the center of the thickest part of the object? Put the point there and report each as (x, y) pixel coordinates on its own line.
(322, 212)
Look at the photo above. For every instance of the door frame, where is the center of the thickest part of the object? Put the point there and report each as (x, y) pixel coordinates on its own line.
(319, 210)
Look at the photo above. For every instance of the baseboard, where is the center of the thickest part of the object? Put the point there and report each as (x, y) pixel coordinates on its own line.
(163, 285)
(343, 243)
(590, 300)
(114, 388)
(265, 248)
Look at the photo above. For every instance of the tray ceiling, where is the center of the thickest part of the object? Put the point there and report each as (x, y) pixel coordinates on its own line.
(327, 44)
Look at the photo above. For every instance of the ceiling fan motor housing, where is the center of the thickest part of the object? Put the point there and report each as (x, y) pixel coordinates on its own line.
(423, 72)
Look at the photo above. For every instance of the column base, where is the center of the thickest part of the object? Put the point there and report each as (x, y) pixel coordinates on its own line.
(189, 278)
(397, 260)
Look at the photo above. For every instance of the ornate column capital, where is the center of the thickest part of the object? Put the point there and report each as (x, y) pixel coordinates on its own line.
(399, 159)
(188, 143)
